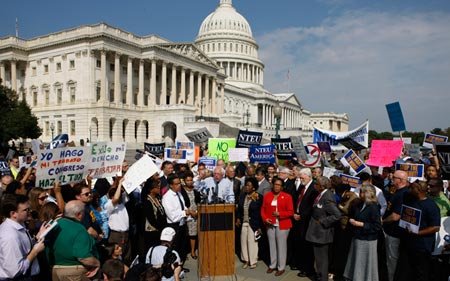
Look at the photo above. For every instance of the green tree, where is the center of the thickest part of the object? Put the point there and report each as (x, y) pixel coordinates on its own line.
(16, 119)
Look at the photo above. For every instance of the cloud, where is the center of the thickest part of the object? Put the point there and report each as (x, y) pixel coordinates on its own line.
(360, 61)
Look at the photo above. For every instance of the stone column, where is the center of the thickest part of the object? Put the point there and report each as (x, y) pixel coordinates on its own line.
(14, 74)
(262, 77)
(103, 76)
(173, 92)
(207, 108)
(141, 132)
(163, 95)
(235, 71)
(222, 98)
(2, 72)
(199, 89)
(152, 98)
(117, 130)
(129, 131)
(140, 98)
(129, 99)
(263, 119)
(191, 88)
(183, 86)
(213, 99)
(117, 86)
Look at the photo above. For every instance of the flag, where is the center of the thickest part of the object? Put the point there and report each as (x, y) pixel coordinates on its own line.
(17, 27)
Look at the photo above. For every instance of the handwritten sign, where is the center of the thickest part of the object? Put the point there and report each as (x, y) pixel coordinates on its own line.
(65, 165)
(248, 139)
(351, 159)
(106, 159)
(430, 139)
(384, 152)
(263, 154)
(138, 173)
(410, 217)
(354, 182)
(218, 148)
(415, 171)
(238, 154)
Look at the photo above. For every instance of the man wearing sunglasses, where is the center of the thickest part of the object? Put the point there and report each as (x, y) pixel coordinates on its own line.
(84, 194)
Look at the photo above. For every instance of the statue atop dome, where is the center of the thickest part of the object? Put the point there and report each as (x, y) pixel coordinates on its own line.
(226, 2)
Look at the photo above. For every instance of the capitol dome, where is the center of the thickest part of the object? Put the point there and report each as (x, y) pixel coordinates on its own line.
(226, 36)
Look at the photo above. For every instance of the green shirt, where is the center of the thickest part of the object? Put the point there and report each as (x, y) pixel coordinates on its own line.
(443, 203)
(68, 242)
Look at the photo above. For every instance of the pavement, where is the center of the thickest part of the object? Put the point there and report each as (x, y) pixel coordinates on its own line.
(259, 273)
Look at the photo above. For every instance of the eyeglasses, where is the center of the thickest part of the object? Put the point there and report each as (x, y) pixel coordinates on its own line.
(87, 193)
(42, 198)
(394, 177)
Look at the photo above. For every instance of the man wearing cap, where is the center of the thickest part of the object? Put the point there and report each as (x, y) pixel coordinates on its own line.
(155, 255)
(435, 187)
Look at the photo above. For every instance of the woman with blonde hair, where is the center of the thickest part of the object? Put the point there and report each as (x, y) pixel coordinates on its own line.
(362, 261)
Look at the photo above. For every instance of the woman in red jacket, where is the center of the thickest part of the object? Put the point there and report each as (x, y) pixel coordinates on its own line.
(276, 213)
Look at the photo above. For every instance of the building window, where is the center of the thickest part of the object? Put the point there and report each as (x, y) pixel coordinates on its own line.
(58, 66)
(146, 98)
(72, 64)
(22, 73)
(46, 69)
(47, 96)
(35, 97)
(58, 96)
(46, 128)
(72, 91)
(33, 71)
(111, 67)
(136, 73)
(111, 95)
(24, 95)
(124, 97)
(98, 63)
(59, 127)
(72, 127)
(135, 97)
(124, 70)
(97, 90)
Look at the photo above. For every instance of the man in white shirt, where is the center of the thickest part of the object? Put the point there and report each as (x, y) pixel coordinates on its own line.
(218, 188)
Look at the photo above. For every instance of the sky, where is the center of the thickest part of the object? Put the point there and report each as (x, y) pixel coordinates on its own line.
(342, 56)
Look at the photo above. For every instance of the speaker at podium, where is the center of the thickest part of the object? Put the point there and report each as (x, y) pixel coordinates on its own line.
(216, 240)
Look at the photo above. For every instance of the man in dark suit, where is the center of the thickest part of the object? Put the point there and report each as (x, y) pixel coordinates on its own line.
(303, 250)
(321, 226)
(167, 169)
(264, 185)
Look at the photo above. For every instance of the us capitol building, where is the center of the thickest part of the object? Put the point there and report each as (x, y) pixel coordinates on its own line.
(102, 83)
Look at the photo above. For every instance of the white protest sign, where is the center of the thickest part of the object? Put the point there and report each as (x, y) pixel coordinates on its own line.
(410, 217)
(139, 172)
(238, 154)
(106, 159)
(440, 242)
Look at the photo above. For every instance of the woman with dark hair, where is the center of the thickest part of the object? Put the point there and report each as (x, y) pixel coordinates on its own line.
(249, 217)
(362, 261)
(152, 218)
(276, 213)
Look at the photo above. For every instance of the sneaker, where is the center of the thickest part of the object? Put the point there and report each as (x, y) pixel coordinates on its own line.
(253, 266)
(245, 265)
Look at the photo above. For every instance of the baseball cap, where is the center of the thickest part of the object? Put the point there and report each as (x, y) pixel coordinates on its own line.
(167, 234)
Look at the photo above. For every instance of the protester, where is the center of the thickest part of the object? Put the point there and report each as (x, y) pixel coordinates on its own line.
(113, 269)
(435, 186)
(219, 188)
(84, 194)
(192, 199)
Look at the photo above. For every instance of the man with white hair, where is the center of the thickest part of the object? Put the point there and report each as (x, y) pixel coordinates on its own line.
(218, 188)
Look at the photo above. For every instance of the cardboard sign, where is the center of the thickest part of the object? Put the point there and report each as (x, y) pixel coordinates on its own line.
(351, 159)
(413, 150)
(138, 173)
(440, 242)
(443, 155)
(324, 146)
(313, 156)
(262, 154)
(106, 159)
(299, 148)
(396, 117)
(430, 139)
(210, 162)
(384, 152)
(284, 148)
(65, 165)
(248, 139)
(199, 136)
(156, 149)
(238, 154)
(415, 171)
(410, 217)
(218, 148)
(328, 172)
(185, 145)
(354, 182)
(178, 155)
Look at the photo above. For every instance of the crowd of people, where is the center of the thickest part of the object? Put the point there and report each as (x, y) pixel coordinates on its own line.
(288, 215)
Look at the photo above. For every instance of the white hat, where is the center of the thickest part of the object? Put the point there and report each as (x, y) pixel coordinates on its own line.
(167, 234)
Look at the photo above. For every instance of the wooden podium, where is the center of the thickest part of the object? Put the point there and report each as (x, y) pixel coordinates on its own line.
(216, 240)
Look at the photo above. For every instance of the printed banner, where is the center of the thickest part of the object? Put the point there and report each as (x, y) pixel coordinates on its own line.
(430, 139)
(59, 141)
(248, 139)
(410, 217)
(238, 154)
(384, 152)
(199, 136)
(156, 149)
(354, 182)
(359, 135)
(210, 162)
(396, 116)
(185, 145)
(65, 165)
(218, 148)
(415, 171)
(351, 159)
(138, 173)
(284, 148)
(106, 159)
(299, 148)
(443, 155)
(176, 155)
(262, 154)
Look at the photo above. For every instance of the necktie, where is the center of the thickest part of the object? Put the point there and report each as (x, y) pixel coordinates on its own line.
(300, 197)
(216, 191)
(317, 199)
(181, 201)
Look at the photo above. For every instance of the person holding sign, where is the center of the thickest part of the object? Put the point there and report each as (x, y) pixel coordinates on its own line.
(415, 253)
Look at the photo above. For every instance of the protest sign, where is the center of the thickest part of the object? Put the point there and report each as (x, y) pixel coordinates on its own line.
(138, 173)
(313, 156)
(185, 145)
(36, 145)
(328, 172)
(413, 150)
(443, 154)
(4, 168)
(351, 159)
(218, 147)
(238, 154)
(199, 136)
(354, 182)
(324, 146)
(65, 165)
(384, 152)
(106, 159)
(406, 140)
(358, 137)
(415, 171)
(396, 116)
(248, 139)
(440, 242)
(210, 162)
(176, 155)
(262, 154)
(156, 149)
(430, 139)
(299, 148)
(59, 141)
(410, 217)
(284, 148)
